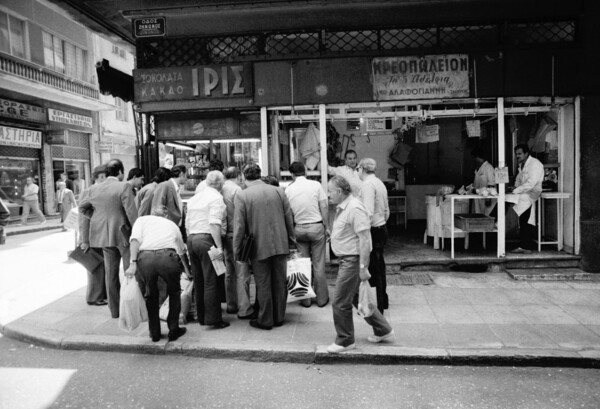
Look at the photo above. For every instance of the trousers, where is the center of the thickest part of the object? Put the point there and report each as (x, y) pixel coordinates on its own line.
(112, 261)
(270, 276)
(167, 265)
(237, 281)
(310, 239)
(34, 206)
(208, 303)
(346, 296)
(379, 236)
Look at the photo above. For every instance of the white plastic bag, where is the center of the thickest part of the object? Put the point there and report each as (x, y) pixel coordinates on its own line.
(299, 277)
(186, 301)
(132, 308)
(367, 299)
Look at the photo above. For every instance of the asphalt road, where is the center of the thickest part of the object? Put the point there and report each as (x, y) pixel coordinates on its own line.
(35, 377)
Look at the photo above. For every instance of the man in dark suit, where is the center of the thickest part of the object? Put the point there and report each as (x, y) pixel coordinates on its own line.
(167, 194)
(264, 211)
(111, 205)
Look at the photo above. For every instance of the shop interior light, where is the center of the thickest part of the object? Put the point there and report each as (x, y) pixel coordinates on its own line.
(182, 146)
(226, 140)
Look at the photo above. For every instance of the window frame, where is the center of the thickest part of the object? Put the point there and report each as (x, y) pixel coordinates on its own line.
(26, 49)
(122, 111)
(76, 71)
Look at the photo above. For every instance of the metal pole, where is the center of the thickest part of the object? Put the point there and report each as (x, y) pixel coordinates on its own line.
(323, 141)
(264, 142)
(501, 252)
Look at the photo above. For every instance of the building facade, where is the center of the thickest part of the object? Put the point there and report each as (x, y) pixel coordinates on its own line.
(52, 116)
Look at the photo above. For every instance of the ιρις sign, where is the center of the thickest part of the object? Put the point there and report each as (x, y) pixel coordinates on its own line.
(150, 27)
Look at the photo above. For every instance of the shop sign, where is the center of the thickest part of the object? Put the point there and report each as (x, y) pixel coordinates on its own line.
(149, 27)
(69, 118)
(19, 110)
(58, 137)
(104, 147)
(25, 138)
(416, 77)
(427, 133)
(501, 175)
(185, 83)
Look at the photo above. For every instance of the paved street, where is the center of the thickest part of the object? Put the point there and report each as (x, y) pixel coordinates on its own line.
(31, 377)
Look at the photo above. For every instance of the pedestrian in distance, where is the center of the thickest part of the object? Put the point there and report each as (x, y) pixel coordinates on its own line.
(157, 250)
(308, 202)
(31, 201)
(351, 243)
(263, 211)
(65, 201)
(135, 178)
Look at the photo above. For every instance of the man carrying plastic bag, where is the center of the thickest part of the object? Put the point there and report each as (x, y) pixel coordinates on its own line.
(157, 249)
(351, 243)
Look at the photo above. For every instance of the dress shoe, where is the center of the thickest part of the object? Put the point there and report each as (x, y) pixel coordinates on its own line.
(221, 325)
(156, 338)
(255, 324)
(324, 304)
(305, 303)
(176, 333)
(336, 349)
(278, 324)
(249, 316)
(377, 339)
(232, 310)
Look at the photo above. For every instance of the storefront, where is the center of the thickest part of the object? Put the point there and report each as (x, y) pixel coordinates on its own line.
(21, 127)
(428, 112)
(42, 141)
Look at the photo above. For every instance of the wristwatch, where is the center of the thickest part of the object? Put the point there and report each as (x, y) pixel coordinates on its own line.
(363, 266)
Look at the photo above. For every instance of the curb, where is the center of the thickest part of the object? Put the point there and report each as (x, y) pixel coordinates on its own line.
(31, 230)
(309, 354)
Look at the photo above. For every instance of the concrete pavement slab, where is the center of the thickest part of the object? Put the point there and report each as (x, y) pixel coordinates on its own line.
(457, 323)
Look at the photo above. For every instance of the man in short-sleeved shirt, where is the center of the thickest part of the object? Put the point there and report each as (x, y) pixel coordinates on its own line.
(351, 243)
(156, 250)
(309, 208)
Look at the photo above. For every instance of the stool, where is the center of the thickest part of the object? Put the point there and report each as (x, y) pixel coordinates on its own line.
(558, 196)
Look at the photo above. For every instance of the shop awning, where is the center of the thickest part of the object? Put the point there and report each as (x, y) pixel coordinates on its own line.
(114, 82)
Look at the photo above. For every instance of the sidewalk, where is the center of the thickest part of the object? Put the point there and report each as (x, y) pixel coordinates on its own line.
(481, 319)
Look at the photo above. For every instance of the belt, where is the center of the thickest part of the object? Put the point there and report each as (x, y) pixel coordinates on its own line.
(378, 227)
(348, 256)
(305, 224)
(157, 251)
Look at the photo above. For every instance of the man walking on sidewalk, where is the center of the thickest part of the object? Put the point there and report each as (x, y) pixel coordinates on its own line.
(111, 205)
(351, 243)
(309, 207)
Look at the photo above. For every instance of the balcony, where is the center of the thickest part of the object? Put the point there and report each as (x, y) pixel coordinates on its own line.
(26, 77)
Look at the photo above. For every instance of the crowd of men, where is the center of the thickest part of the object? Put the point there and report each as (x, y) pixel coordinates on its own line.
(148, 230)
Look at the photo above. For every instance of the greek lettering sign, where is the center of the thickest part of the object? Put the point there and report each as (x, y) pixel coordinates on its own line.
(19, 110)
(185, 83)
(149, 27)
(20, 137)
(69, 118)
(427, 77)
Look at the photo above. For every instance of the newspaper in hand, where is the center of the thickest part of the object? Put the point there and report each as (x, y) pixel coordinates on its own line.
(216, 257)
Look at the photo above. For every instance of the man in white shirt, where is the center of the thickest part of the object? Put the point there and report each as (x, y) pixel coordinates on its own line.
(154, 246)
(375, 198)
(348, 171)
(204, 218)
(528, 185)
(309, 208)
(484, 177)
(31, 201)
